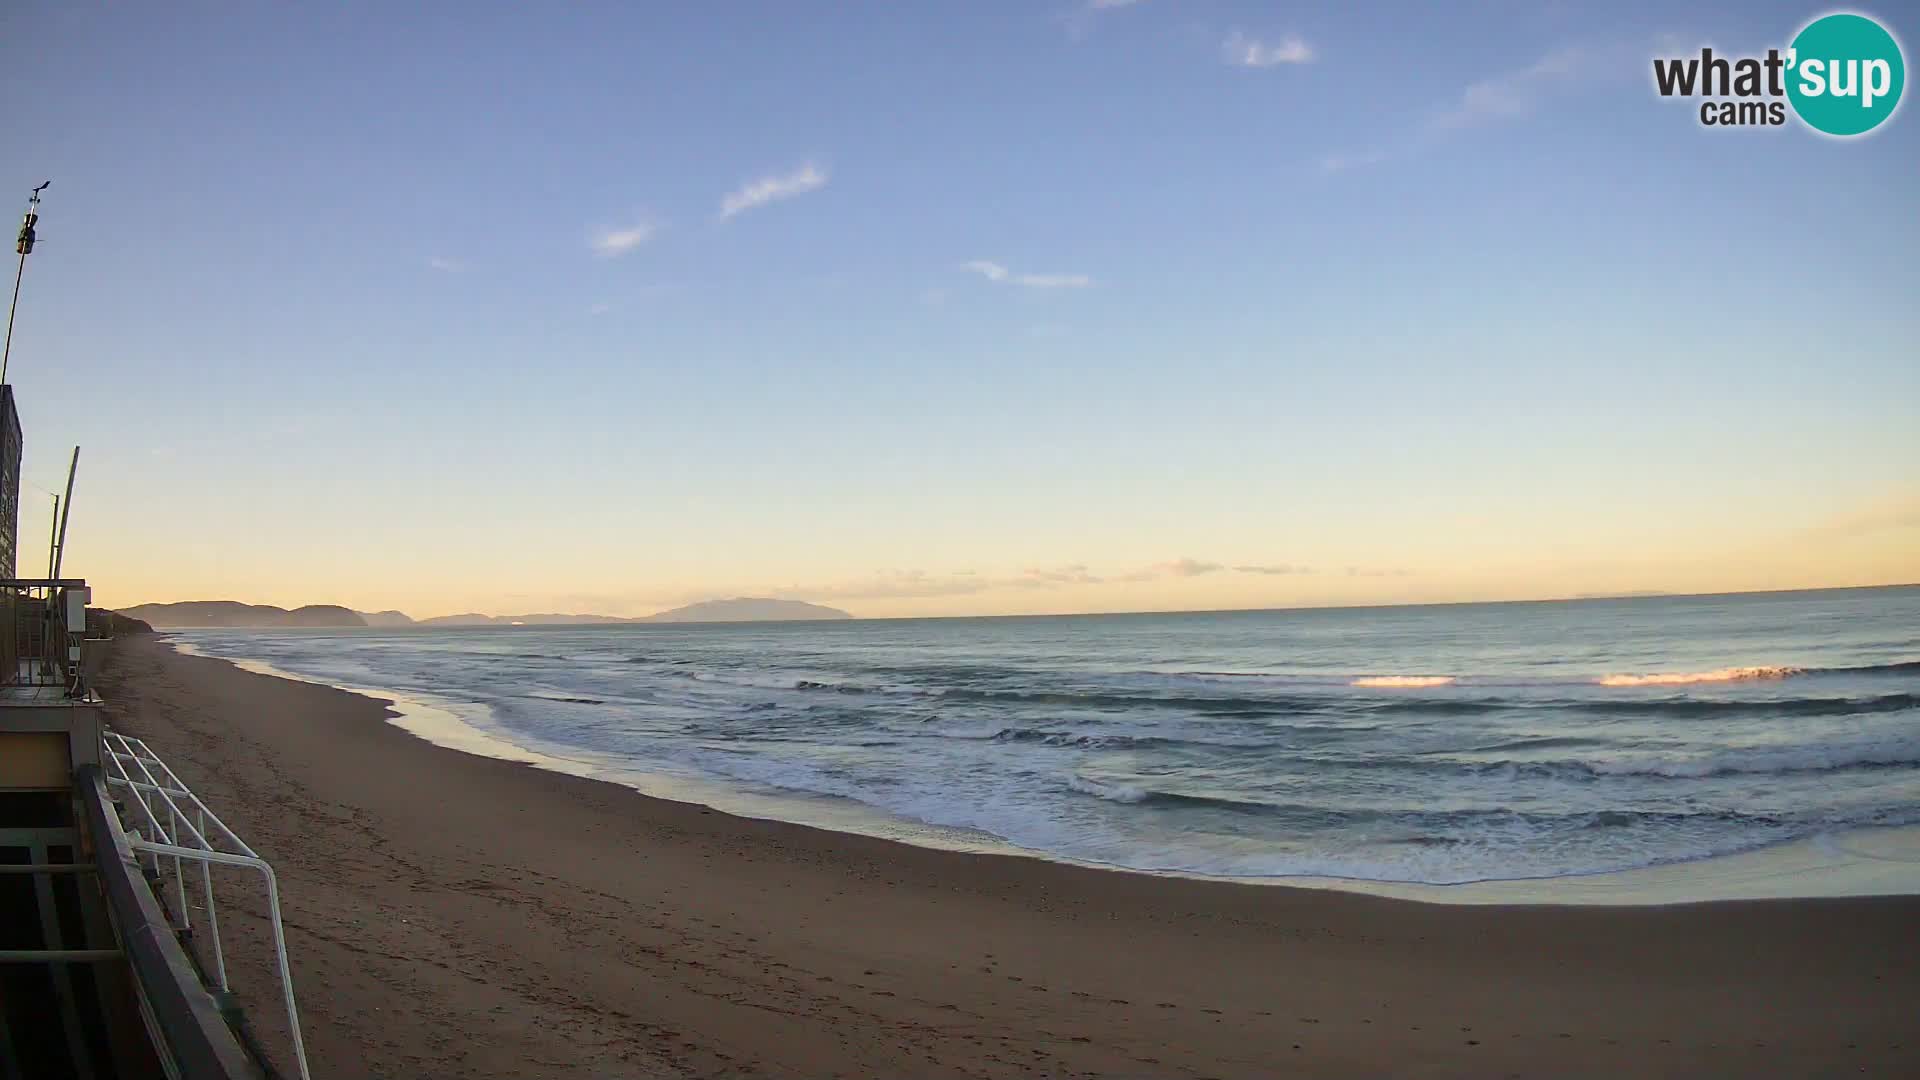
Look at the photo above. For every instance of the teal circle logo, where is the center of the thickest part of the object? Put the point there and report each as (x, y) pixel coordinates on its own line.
(1845, 74)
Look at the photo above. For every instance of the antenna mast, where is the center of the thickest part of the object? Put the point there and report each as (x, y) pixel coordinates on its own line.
(53, 538)
(66, 511)
(23, 245)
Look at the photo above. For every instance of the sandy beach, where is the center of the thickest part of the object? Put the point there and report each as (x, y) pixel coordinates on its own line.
(454, 915)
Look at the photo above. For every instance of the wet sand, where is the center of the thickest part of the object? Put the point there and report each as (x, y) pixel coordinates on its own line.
(455, 915)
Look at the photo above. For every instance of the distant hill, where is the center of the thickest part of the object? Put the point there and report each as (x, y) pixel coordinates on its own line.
(748, 609)
(738, 609)
(191, 613)
(104, 623)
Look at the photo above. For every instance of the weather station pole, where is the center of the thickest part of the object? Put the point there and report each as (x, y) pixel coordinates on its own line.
(23, 245)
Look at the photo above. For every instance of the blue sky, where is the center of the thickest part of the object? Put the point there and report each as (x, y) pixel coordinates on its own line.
(442, 308)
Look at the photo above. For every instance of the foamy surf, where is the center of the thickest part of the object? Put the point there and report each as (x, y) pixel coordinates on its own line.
(1405, 682)
(1690, 678)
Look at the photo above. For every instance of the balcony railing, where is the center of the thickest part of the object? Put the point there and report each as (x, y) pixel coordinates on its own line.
(165, 821)
(43, 622)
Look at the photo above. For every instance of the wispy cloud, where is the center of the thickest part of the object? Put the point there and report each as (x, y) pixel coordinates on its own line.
(599, 309)
(1074, 574)
(1177, 568)
(1245, 51)
(1505, 97)
(1079, 20)
(998, 273)
(923, 584)
(1513, 94)
(1188, 568)
(445, 265)
(613, 243)
(1272, 569)
(892, 584)
(773, 189)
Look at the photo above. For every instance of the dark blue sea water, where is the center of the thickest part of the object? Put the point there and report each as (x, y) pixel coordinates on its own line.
(1434, 744)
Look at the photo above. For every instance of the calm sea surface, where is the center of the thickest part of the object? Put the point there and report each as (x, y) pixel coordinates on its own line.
(1430, 744)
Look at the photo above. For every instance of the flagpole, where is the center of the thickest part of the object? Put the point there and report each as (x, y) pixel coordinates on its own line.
(24, 245)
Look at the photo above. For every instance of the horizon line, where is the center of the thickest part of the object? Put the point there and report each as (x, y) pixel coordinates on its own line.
(1574, 599)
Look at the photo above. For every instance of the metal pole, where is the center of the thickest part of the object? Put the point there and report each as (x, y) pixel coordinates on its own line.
(18, 273)
(24, 245)
(53, 535)
(60, 549)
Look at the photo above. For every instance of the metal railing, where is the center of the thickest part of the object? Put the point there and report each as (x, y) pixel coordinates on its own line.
(42, 624)
(184, 830)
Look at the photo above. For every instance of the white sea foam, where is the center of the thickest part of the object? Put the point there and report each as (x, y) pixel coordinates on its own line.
(1120, 793)
(1689, 678)
(1403, 681)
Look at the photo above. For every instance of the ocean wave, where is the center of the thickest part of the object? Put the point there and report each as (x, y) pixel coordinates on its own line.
(1087, 740)
(1419, 822)
(1075, 739)
(1901, 667)
(1694, 707)
(1813, 758)
(1259, 706)
(1689, 678)
(1800, 759)
(1540, 742)
(568, 699)
(1137, 795)
(1731, 673)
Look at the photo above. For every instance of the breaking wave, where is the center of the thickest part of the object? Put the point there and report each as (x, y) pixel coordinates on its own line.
(1689, 678)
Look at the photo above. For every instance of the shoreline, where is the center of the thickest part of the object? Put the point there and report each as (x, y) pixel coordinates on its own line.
(451, 914)
(1882, 861)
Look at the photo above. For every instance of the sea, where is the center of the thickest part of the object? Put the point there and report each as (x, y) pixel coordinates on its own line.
(1436, 744)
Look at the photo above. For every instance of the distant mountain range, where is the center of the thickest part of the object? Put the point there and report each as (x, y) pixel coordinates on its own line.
(231, 613)
(220, 613)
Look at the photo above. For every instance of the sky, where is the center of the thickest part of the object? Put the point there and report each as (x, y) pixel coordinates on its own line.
(967, 308)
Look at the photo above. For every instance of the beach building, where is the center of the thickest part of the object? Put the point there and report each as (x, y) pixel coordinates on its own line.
(9, 481)
(111, 961)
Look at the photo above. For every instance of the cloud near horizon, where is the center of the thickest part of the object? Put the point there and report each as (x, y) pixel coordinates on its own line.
(773, 189)
(1273, 569)
(919, 584)
(1187, 568)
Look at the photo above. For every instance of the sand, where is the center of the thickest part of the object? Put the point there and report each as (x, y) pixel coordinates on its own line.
(455, 915)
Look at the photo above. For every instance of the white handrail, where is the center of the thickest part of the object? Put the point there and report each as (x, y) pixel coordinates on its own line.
(185, 838)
